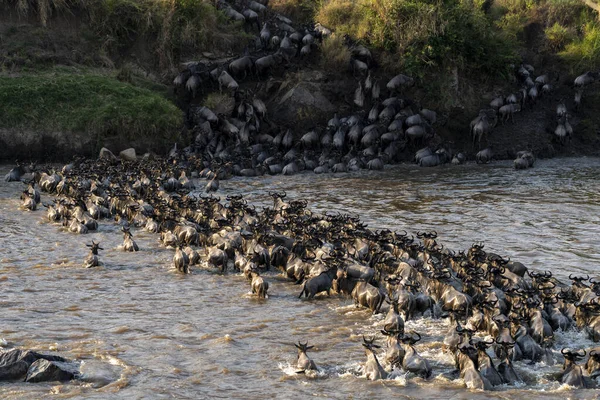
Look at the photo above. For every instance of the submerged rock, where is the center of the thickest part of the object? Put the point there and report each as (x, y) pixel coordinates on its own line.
(15, 363)
(48, 371)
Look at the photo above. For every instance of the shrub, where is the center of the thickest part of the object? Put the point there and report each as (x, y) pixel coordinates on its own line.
(335, 56)
(584, 53)
(557, 36)
(564, 12)
(423, 34)
(299, 11)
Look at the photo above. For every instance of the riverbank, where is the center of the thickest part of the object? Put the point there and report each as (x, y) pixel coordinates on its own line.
(132, 54)
(66, 112)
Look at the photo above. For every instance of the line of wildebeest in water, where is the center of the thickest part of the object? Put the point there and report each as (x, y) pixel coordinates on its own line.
(482, 293)
(379, 131)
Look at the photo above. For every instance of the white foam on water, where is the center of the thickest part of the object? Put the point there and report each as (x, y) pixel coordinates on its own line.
(291, 370)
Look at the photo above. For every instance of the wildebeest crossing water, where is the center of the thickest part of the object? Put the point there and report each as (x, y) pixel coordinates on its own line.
(203, 331)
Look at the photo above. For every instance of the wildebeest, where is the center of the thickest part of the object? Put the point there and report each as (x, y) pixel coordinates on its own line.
(226, 80)
(304, 362)
(585, 79)
(373, 370)
(92, 258)
(241, 67)
(267, 63)
(572, 373)
(320, 283)
(362, 293)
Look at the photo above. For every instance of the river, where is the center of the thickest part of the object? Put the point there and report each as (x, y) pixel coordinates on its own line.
(141, 330)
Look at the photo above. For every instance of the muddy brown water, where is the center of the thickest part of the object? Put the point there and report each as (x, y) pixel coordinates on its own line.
(141, 330)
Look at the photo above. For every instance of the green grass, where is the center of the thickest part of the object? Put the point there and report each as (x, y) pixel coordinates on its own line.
(92, 103)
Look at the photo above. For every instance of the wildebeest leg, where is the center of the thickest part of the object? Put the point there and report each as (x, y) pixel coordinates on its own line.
(302, 292)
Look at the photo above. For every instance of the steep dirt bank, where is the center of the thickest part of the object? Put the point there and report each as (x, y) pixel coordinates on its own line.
(300, 96)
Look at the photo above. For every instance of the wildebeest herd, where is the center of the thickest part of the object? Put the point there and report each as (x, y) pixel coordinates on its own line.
(503, 109)
(500, 311)
(376, 133)
(380, 130)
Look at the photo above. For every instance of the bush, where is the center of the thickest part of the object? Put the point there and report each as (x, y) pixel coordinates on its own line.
(85, 102)
(423, 34)
(584, 53)
(335, 55)
(299, 11)
(557, 36)
(564, 12)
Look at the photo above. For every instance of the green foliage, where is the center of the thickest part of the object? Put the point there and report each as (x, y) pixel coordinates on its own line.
(69, 101)
(299, 11)
(584, 53)
(565, 12)
(557, 36)
(424, 33)
(335, 55)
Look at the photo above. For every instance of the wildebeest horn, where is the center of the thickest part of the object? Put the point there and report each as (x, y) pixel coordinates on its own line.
(581, 355)
(564, 352)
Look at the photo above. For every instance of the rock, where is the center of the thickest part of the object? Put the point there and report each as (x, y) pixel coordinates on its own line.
(13, 366)
(128, 154)
(47, 371)
(106, 154)
(14, 363)
(303, 99)
(307, 95)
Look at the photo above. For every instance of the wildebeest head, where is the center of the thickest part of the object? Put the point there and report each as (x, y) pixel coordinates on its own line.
(94, 247)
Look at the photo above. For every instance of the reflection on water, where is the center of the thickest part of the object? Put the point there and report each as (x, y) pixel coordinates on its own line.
(144, 331)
